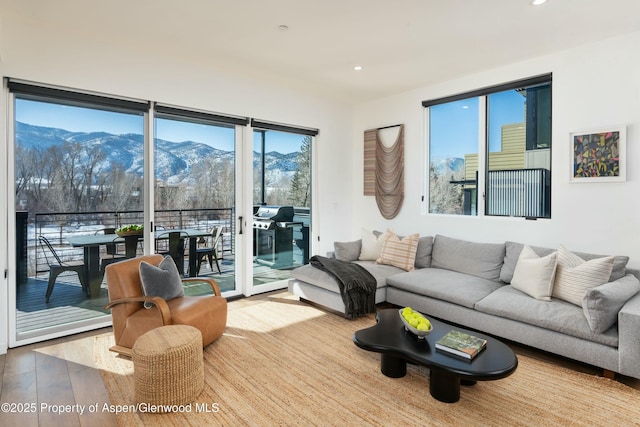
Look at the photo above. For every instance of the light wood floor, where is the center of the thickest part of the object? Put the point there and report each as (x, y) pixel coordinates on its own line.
(63, 371)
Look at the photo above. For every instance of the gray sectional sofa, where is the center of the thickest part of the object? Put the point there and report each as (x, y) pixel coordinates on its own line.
(469, 284)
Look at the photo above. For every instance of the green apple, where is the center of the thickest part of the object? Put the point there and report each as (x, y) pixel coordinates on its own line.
(424, 325)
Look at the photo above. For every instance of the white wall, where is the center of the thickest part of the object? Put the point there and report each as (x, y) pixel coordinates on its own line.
(30, 52)
(594, 85)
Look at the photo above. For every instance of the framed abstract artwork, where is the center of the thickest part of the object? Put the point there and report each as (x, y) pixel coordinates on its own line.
(599, 155)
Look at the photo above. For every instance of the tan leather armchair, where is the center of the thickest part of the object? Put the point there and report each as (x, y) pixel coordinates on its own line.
(208, 313)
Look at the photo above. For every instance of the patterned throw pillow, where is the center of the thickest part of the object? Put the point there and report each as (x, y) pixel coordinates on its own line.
(162, 281)
(575, 276)
(399, 253)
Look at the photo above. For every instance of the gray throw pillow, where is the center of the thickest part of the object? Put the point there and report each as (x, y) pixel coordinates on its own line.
(602, 303)
(162, 281)
(347, 251)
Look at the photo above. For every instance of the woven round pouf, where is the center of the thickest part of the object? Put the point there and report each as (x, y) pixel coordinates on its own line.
(168, 366)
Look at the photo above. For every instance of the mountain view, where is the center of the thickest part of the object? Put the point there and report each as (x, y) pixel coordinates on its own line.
(174, 160)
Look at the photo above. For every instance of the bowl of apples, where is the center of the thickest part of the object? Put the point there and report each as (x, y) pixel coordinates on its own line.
(415, 322)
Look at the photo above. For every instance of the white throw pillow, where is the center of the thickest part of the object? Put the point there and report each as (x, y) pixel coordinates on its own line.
(371, 245)
(575, 276)
(399, 253)
(534, 275)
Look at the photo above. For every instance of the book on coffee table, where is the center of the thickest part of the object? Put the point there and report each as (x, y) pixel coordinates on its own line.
(461, 344)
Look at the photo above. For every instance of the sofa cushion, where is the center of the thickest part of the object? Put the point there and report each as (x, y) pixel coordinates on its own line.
(322, 279)
(380, 271)
(534, 274)
(347, 251)
(398, 252)
(477, 259)
(575, 276)
(459, 288)
(513, 251)
(423, 253)
(162, 280)
(601, 304)
(555, 315)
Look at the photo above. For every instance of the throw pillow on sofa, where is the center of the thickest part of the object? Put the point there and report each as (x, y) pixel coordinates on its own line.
(398, 252)
(371, 245)
(602, 303)
(514, 248)
(534, 275)
(347, 251)
(575, 276)
(162, 281)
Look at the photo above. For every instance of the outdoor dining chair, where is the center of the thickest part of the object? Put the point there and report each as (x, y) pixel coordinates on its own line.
(57, 266)
(210, 252)
(111, 249)
(176, 247)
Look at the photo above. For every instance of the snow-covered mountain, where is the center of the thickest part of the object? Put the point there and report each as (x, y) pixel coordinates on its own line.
(174, 160)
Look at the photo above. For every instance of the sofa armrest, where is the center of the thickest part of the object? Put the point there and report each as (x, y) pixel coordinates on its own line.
(629, 337)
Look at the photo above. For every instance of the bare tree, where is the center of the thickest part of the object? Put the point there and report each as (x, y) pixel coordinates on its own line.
(301, 182)
(93, 156)
(122, 188)
(444, 196)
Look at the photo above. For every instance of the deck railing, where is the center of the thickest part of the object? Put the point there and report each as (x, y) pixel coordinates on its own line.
(522, 192)
(57, 226)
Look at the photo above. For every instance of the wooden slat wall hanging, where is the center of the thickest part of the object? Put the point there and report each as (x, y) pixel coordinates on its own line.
(384, 171)
(370, 137)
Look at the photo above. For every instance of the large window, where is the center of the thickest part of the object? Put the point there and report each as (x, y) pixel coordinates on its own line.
(78, 171)
(493, 142)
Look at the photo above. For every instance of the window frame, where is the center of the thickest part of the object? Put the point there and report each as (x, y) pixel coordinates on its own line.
(482, 95)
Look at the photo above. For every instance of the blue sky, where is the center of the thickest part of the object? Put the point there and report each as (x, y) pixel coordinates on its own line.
(454, 125)
(78, 119)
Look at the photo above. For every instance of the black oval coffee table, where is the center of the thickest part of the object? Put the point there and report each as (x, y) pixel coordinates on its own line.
(398, 346)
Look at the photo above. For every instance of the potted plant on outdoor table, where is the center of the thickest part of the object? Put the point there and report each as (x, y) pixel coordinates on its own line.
(130, 230)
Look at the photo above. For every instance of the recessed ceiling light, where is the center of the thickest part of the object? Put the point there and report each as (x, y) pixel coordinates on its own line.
(538, 2)
(358, 68)
(283, 27)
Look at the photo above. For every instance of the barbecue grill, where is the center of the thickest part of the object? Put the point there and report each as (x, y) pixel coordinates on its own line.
(273, 235)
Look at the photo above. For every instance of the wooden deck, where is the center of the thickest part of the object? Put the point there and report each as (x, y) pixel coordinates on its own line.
(68, 304)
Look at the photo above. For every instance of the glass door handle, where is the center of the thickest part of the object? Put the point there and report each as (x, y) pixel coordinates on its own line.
(240, 219)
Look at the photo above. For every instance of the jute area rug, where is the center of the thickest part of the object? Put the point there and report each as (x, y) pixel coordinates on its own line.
(282, 362)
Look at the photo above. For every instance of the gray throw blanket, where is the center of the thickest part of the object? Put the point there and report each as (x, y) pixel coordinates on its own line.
(357, 285)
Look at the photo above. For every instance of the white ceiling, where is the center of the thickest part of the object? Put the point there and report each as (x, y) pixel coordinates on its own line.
(401, 44)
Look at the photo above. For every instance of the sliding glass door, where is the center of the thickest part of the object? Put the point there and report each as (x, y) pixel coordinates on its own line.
(85, 166)
(281, 206)
(195, 189)
(77, 166)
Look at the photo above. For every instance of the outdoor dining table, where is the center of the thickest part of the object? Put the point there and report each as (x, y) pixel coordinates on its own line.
(91, 245)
